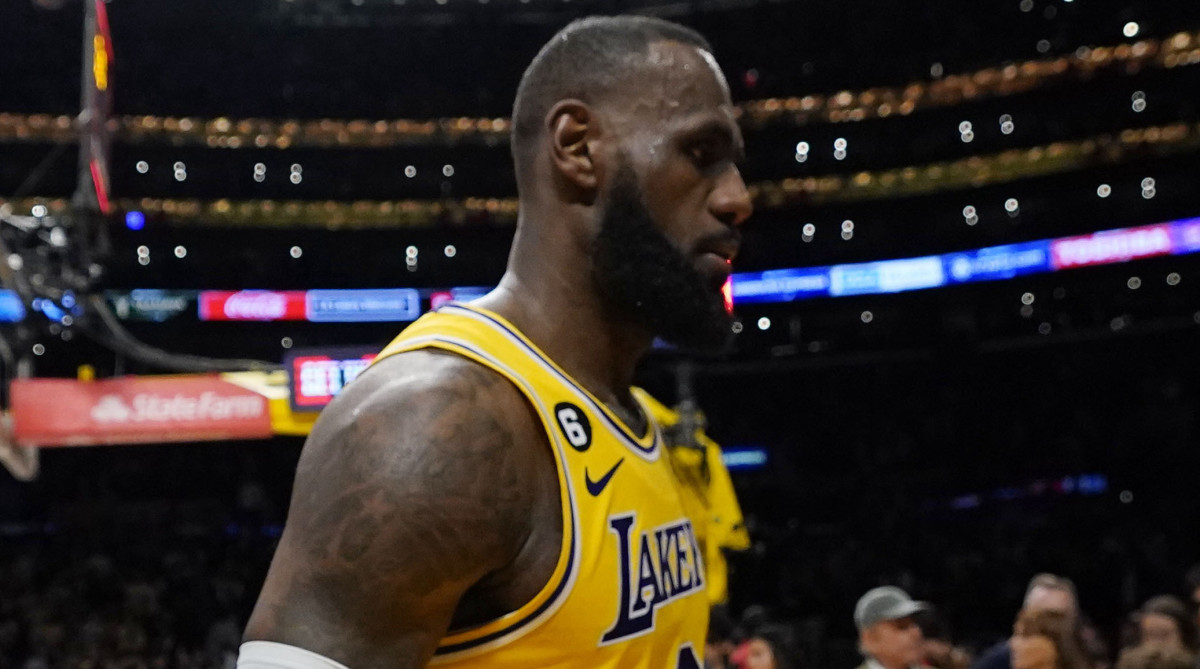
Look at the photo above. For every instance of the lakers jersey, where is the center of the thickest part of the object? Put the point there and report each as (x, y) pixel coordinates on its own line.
(629, 586)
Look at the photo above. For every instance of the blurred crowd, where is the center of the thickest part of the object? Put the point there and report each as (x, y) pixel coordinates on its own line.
(1050, 631)
(141, 606)
(152, 556)
(176, 596)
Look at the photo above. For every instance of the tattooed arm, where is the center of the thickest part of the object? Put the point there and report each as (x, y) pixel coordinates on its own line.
(423, 480)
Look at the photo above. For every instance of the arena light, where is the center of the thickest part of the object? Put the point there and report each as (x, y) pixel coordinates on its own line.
(1178, 50)
(100, 185)
(741, 458)
(994, 263)
(1180, 237)
(1138, 102)
(12, 309)
(969, 172)
(135, 220)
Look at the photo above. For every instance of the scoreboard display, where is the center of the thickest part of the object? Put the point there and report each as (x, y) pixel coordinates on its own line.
(317, 375)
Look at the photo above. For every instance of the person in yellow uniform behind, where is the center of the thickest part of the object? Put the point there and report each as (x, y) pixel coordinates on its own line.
(492, 492)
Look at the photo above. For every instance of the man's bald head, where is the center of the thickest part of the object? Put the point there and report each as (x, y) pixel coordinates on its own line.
(590, 60)
(1052, 593)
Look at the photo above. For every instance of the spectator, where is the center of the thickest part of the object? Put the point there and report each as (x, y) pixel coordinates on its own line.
(1153, 656)
(1094, 646)
(720, 642)
(1193, 589)
(888, 636)
(1046, 639)
(1164, 621)
(937, 648)
(770, 647)
(1046, 592)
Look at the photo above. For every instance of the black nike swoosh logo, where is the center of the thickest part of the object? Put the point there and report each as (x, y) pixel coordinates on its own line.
(597, 487)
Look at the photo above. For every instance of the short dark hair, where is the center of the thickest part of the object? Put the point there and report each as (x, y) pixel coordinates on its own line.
(933, 624)
(782, 641)
(587, 61)
(1173, 608)
(1192, 579)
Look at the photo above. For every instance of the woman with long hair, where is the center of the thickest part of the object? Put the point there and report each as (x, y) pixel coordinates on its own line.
(1045, 639)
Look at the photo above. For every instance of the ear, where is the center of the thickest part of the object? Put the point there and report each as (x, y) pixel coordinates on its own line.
(866, 640)
(572, 127)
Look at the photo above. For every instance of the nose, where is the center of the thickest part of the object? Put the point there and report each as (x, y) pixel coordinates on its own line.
(730, 200)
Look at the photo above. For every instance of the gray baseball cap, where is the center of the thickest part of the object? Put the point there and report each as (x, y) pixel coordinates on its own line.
(885, 603)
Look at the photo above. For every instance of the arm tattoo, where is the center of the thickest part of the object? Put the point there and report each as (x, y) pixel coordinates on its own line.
(410, 489)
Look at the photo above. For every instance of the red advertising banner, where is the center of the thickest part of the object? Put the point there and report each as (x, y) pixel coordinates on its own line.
(252, 305)
(64, 412)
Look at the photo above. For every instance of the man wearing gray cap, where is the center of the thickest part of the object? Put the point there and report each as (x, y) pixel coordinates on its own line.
(887, 634)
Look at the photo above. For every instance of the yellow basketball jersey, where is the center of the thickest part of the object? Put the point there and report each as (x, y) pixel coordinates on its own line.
(628, 590)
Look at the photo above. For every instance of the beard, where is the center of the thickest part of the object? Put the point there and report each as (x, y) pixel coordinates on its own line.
(643, 278)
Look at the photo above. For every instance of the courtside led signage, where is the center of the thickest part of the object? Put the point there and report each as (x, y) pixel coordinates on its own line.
(316, 376)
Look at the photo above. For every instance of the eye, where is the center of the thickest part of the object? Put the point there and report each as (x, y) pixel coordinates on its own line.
(704, 153)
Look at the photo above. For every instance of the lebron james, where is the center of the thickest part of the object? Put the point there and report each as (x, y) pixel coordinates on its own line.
(492, 492)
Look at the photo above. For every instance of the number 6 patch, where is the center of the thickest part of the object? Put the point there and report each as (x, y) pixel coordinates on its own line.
(574, 424)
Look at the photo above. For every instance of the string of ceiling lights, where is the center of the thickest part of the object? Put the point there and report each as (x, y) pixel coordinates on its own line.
(1178, 50)
(973, 171)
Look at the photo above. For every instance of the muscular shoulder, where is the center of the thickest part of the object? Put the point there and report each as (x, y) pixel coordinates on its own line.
(416, 414)
(427, 426)
(426, 435)
(414, 485)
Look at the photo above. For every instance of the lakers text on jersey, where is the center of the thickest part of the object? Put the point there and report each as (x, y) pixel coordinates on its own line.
(628, 589)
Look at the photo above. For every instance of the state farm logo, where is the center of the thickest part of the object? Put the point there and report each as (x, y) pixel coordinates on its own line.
(256, 305)
(110, 409)
(150, 407)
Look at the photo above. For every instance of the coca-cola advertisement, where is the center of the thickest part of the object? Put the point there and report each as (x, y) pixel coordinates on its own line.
(65, 412)
(252, 305)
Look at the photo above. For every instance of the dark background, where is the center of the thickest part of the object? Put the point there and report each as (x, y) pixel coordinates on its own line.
(877, 433)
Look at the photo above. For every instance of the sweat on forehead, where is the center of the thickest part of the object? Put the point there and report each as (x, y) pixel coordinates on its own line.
(676, 78)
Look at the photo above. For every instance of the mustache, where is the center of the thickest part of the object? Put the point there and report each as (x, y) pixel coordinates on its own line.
(731, 237)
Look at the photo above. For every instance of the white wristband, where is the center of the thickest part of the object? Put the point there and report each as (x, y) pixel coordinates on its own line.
(272, 655)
